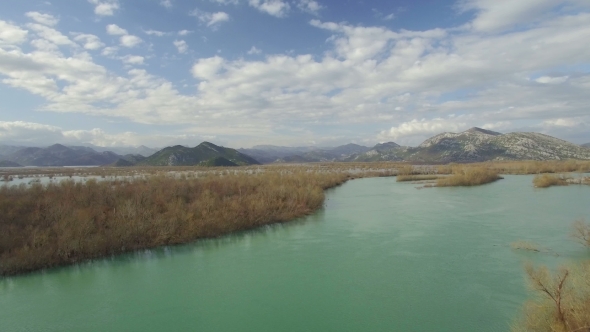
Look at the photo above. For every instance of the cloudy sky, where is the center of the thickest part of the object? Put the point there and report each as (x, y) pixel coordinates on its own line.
(290, 72)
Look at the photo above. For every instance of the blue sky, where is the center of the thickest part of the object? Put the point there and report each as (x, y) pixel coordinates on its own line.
(290, 72)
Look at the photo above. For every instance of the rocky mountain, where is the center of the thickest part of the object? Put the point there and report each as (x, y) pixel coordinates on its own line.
(204, 154)
(476, 144)
(60, 155)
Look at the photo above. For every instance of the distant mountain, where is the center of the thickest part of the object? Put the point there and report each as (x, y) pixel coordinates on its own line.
(476, 144)
(60, 155)
(587, 145)
(281, 154)
(125, 150)
(267, 154)
(204, 154)
(8, 149)
(5, 163)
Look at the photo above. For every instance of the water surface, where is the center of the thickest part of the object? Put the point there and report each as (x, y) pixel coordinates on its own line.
(381, 256)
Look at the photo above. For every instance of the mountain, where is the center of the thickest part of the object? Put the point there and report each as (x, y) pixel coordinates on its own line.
(282, 154)
(587, 145)
(267, 154)
(125, 150)
(476, 144)
(5, 163)
(60, 155)
(128, 160)
(8, 149)
(204, 154)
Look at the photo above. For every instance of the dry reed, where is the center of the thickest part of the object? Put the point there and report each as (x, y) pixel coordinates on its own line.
(58, 224)
(469, 176)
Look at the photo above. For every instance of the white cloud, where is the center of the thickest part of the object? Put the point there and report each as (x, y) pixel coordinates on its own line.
(277, 8)
(184, 32)
(89, 42)
(210, 19)
(51, 35)
(133, 60)
(402, 85)
(130, 41)
(254, 50)
(181, 46)
(551, 80)
(105, 7)
(389, 17)
(45, 19)
(207, 69)
(497, 15)
(310, 6)
(110, 51)
(113, 29)
(11, 34)
(226, 2)
(424, 128)
(156, 33)
(166, 3)
(36, 134)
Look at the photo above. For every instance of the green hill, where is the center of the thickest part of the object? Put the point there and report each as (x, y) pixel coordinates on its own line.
(204, 154)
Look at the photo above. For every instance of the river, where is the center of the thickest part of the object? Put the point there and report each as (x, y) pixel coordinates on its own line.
(381, 256)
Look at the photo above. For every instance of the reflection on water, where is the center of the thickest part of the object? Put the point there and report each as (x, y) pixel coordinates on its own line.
(381, 256)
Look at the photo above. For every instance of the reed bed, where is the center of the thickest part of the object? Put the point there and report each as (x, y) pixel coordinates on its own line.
(56, 224)
(548, 180)
(406, 178)
(469, 176)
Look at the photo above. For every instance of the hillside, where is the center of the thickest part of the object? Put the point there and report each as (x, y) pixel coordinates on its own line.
(4, 163)
(204, 154)
(476, 144)
(281, 154)
(60, 155)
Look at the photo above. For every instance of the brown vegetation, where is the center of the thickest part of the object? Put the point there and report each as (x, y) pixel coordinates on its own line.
(561, 300)
(547, 180)
(581, 232)
(57, 224)
(469, 176)
(405, 178)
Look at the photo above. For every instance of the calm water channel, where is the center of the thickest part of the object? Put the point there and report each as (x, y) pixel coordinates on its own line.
(381, 256)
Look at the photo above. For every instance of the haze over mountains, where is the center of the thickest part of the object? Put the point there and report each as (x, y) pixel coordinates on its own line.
(473, 145)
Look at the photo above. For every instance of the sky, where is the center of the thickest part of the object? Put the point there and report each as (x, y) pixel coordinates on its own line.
(290, 72)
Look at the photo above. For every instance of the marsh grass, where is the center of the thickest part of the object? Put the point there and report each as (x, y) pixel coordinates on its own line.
(469, 176)
(549, 180)
(62, 223)
(56, 224)
(406, 178)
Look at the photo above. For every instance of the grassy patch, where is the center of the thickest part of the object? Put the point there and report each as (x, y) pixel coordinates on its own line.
(548, 180)
(469, 176)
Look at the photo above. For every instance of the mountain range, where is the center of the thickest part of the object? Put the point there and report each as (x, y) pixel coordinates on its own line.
(473, 145)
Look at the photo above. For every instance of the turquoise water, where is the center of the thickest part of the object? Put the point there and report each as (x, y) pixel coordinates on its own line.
(381, 256)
